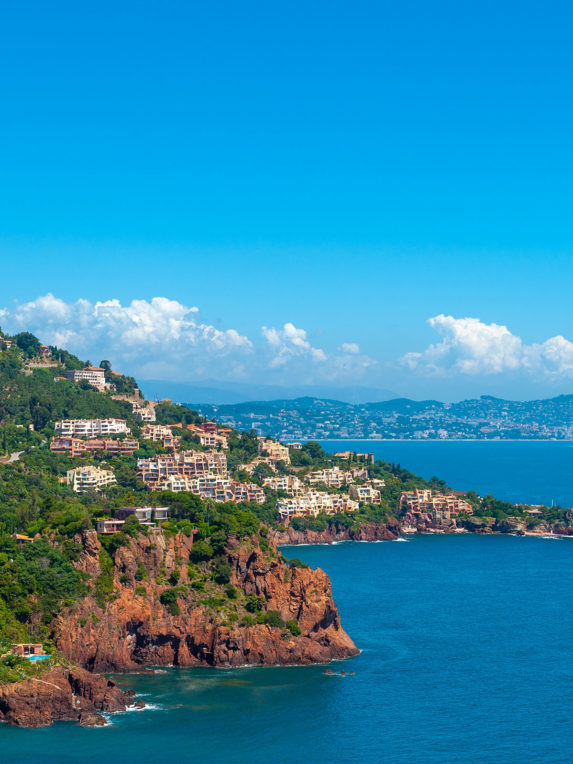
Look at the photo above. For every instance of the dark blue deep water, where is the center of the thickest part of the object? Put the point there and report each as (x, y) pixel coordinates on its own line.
(466, 657)
(538, 472)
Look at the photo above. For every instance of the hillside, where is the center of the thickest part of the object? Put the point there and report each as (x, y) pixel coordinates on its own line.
(175, 552)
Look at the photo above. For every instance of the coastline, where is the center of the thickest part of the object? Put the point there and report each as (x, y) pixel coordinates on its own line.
(444, 440)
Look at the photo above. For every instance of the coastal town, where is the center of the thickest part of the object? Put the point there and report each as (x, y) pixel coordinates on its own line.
(484, 418)
(136, 466)
(145, 520)
(168, 452)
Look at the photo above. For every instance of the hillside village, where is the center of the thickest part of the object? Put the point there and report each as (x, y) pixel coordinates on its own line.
(157, 450)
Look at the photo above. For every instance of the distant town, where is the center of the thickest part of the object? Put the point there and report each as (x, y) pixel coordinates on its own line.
(484, 418)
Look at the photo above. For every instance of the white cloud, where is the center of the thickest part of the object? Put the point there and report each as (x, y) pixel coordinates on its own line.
(155, 335)
(165, 339)
(288, 343)
(350, 348)
(472, 347)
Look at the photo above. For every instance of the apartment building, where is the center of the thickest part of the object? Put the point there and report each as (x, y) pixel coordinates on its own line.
(91, 428)
(424, 501)
(160, 434)
(208, 435)
(314, 503)
(274, 450)
(93, 375)
(331, 478)
(247, 492)
(365, 494)
(83, 479)
(77, 446)
(184, 464)
(155, 432)
(214, 487)
(144, 412)
(213, 440)
(290, 484)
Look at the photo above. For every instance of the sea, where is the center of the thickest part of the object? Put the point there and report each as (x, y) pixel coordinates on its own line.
(534, 472)
(465, 651)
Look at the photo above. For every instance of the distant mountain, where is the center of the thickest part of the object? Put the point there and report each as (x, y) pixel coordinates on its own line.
(484, 418)
(216, 393)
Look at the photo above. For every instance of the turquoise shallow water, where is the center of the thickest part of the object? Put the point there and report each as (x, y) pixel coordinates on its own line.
(538, 472)
(466, 657)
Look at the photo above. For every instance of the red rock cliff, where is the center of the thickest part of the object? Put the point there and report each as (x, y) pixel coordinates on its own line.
(135, 629)
(61, 694)
(366, 532)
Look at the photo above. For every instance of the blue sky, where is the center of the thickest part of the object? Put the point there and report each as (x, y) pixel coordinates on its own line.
(350, 169)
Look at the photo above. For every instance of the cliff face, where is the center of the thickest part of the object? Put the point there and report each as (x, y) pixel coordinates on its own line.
(367, 532)
(136, 629)
(61, 694)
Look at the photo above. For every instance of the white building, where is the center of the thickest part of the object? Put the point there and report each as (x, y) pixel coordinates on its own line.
(314, 503)
(365, 494)
(83, 479)
(331, 478)
(91, 428)
(144, 412)
(93, 375)
(274, 450)
(156, 432)
(290, 484)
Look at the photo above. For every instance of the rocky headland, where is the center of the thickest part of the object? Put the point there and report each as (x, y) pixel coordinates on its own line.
(62, 694)
(198, 627)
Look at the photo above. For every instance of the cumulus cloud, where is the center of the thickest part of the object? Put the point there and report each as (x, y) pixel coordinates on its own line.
(471, 347)
(350, 348)
(288, 343)
(165, 339)
(159, 334)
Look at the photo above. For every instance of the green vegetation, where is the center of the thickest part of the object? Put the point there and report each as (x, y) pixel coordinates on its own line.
(169, 599)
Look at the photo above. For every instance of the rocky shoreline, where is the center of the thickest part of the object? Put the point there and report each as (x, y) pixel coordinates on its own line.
(63, 694)
(135, 630)
(366, 532)
(392, 530)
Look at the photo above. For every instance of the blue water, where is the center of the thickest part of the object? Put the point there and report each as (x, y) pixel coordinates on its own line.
(466, 657)
(538, 472)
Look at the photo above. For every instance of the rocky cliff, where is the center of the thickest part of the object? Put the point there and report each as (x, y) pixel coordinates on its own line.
(367, 532)
(61, 694)
(203, 623)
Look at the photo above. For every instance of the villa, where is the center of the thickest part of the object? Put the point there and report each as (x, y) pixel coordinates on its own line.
(84, 479)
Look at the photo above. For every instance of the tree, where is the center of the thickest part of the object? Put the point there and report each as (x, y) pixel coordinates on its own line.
(201, 552)
(314, 449)
(105, 365)
(132, 526)
(28, 343)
